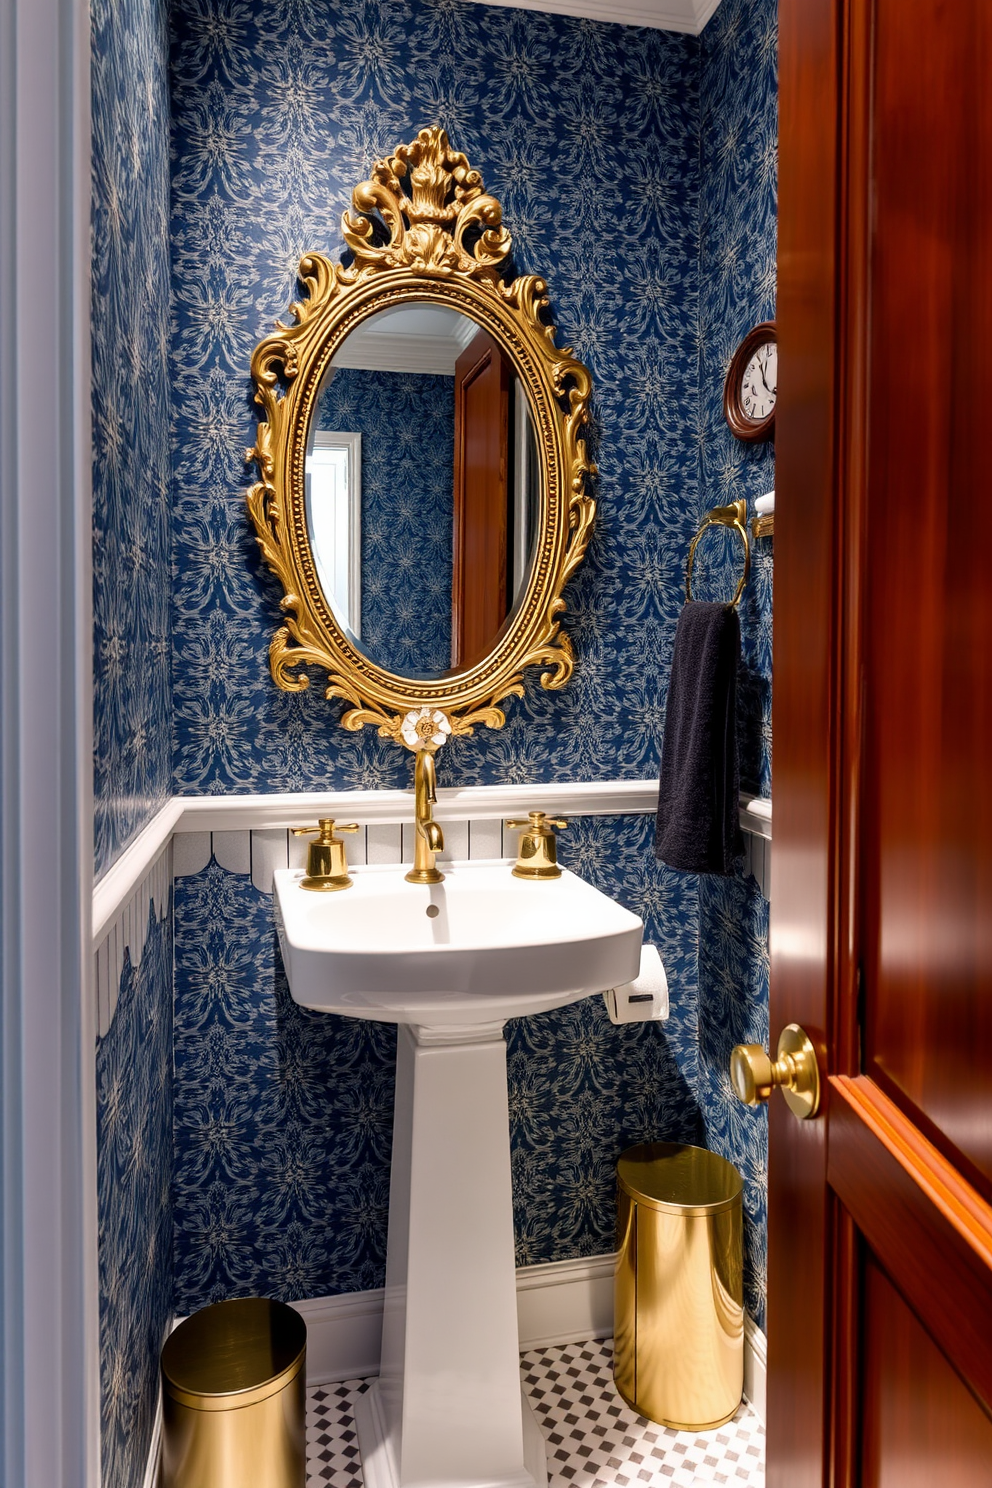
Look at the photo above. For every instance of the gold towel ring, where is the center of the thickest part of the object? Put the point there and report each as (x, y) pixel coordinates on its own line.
(733, 516)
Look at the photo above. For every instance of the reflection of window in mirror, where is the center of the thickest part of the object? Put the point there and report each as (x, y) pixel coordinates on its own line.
(334, 520)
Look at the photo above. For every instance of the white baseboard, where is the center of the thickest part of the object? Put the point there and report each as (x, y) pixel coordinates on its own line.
(150, 1479)
(755, 1367)
(563, 1302)
(343, 1336)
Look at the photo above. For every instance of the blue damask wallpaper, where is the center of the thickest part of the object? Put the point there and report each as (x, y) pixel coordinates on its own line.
(733, 1009)
(284, 1116)
(738, 216)
(134, 1182)
(738, 213)
(589, 134)
(407, 424)
(132, 703)
(132, 592)
(636, 169)
(669, 141)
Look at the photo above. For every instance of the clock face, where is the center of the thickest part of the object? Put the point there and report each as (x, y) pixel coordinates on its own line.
(759, 383)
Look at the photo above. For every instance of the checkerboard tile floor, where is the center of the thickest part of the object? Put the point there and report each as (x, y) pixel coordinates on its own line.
(594, 1440)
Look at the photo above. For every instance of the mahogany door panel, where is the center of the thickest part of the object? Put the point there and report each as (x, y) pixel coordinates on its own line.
(922, 1427)
(913, 1209)
(880, 1208)
(927, 819)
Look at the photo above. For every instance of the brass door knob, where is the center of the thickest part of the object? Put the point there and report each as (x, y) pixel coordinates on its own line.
(754, 1076)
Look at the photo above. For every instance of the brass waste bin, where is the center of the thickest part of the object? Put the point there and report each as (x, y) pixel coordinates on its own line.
(234, 1398)
(679, 1314)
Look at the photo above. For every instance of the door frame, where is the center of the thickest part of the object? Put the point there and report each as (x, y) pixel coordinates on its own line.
(821, 321)
(49, 1292)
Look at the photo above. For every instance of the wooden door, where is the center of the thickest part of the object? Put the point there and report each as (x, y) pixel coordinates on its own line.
(880, 1209)
(482, 422)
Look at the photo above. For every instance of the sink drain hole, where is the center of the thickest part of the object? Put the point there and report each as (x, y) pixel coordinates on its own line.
(432, 911)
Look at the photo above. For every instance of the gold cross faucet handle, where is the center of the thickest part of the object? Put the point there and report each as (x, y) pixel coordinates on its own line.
(327, 861)
(538, 852)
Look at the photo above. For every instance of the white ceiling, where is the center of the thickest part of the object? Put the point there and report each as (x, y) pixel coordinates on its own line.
(664, 15)
(409, 338)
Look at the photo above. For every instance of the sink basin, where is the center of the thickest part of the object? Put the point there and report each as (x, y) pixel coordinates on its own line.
(450, 962)
(482, 946)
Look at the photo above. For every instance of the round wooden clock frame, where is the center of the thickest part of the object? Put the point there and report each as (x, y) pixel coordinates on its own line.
(740, 425)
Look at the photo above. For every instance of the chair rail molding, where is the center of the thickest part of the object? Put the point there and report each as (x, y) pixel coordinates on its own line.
(207, 817)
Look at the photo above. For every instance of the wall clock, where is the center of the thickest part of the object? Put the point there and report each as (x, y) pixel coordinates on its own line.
(751, 387)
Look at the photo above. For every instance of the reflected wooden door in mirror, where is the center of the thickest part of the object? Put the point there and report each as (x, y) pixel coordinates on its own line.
(423, 496)
(479, 601)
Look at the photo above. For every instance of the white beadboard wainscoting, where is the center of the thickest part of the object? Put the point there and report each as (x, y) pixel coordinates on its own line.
(126, 932)
(253, 834)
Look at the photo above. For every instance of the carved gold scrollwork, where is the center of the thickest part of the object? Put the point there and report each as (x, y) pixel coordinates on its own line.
(422, 228)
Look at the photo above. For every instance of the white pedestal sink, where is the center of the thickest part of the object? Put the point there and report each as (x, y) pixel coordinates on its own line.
(450, 963)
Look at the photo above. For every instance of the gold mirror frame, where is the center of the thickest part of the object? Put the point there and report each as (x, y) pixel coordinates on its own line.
(445, 244)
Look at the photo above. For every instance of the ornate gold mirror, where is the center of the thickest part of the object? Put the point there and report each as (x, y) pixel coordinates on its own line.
(423, 495)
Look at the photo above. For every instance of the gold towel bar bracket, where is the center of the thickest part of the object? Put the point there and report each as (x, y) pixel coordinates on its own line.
(733, 516)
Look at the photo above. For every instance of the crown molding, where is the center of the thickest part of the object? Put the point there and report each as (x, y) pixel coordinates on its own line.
(382, 351)
(687, 16)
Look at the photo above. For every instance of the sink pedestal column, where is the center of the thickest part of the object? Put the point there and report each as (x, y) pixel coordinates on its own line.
(448, 1408)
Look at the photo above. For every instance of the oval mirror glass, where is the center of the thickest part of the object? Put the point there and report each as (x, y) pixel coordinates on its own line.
(423, 489)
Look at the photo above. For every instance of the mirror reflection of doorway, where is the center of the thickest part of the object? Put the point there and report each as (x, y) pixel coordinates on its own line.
(334, 520)
(495, 497)
(422, 520)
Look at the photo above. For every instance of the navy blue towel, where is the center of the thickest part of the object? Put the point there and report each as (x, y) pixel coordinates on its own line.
(698, 822)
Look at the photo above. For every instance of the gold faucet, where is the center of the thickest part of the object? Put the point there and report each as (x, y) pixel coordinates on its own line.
(430, 838)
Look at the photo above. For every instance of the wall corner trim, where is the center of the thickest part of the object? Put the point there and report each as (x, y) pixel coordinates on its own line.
(117, 884)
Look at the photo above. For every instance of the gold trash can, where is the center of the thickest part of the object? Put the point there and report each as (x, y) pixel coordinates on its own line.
(679, 1306)
(234, 1398)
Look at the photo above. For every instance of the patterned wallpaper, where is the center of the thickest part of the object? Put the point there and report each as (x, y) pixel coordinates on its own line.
(588, 133)
(134, 1183)
(407, 424)
(131, 413)
(738, 211)
(273, 125)
(132, 592)
(277, 111)
(738, 216)
(284, 1116)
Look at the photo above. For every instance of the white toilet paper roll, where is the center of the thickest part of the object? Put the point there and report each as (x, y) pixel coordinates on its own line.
(646, 997)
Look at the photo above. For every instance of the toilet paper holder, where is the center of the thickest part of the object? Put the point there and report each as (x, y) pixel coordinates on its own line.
(645, 999)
